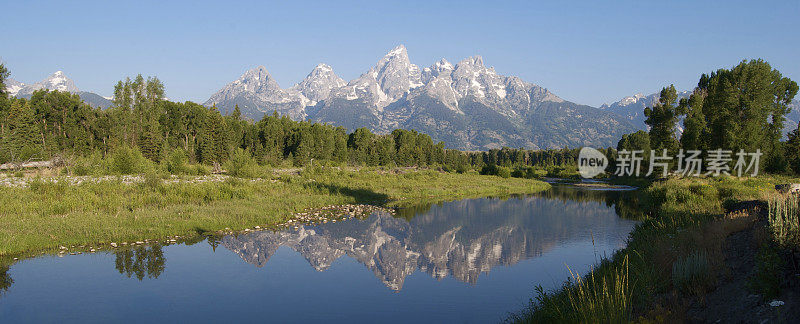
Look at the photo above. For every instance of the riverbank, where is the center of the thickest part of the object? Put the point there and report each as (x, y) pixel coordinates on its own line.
(46, 214)
(684, 261)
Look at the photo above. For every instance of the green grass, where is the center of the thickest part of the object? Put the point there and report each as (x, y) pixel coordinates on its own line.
(691, 274)
(602, 296)
(47, 215)
(784, 219)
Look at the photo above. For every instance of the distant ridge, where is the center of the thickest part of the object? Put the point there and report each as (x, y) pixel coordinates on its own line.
(57, 81)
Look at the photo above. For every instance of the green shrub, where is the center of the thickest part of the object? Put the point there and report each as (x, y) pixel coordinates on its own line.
(152, 180)
(692, 273)
(492, 169)
(242, 165)
(200, 169)
(92, 164)
(527, 172)
(176, 162)
(489, 169)
(503, 172)
(127, 160)
(768, 277)
(784, 219)
(55, 187)
(555, 172)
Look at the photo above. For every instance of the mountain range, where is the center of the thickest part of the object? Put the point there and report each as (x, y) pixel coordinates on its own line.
(56, 81)
(467, 105)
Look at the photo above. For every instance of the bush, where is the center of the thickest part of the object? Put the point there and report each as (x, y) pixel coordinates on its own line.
(525, 172)
(242, 165)
(692, 273)
(492, 169)
(200, 169)
(152, 180)
(92, 164)
(503, 172)
(768, 277)
(784, 219)
(43, 187)
(127, 160)
(176, 162)
(489, 169)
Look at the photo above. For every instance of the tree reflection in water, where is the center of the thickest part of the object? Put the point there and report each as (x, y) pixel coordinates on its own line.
(140, 261)
(5, 279)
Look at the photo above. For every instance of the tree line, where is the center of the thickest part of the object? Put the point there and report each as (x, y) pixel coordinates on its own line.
(738, 108)
(53, 123)
(59, 123)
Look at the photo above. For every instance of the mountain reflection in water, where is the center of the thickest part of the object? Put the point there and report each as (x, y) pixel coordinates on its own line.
(460, 239)
(486, 255)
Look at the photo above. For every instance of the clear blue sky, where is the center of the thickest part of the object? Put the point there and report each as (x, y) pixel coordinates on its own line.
(589, 52)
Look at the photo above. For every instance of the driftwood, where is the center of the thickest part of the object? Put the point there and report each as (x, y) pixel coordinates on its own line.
(26, 165)
(55, 162)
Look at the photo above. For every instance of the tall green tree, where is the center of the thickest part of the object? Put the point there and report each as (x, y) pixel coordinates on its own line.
(4, 74)
(22, 140)
(745, 108)
(4, 102)
(663, 121)
(694, 122)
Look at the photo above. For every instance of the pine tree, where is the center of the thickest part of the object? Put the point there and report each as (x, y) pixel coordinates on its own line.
(694, 124)
(150, 140)
(663, 120)
(4, 74)
(21, 140)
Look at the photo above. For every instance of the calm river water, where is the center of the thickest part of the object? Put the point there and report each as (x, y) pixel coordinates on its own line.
(471, 261)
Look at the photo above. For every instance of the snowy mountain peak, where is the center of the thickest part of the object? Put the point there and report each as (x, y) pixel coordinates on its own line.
(257, 90)
(394, 75)
(442, 65)
(400, 50)
(318, 84)
(13, 87)
(259, 72)
(56, 81)
(476, 60)
(59, 81)
(632, 99)
(322, 68)
(256, 80)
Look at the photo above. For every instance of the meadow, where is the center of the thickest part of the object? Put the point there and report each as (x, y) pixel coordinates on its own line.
(50, 212)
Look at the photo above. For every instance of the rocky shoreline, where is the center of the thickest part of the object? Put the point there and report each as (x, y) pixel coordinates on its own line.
(24, 182)
(314, 216)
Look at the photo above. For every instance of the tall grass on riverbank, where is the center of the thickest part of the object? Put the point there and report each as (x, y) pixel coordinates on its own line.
(602, 296)
(784, 219)
(676, 252)
(47, 214)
